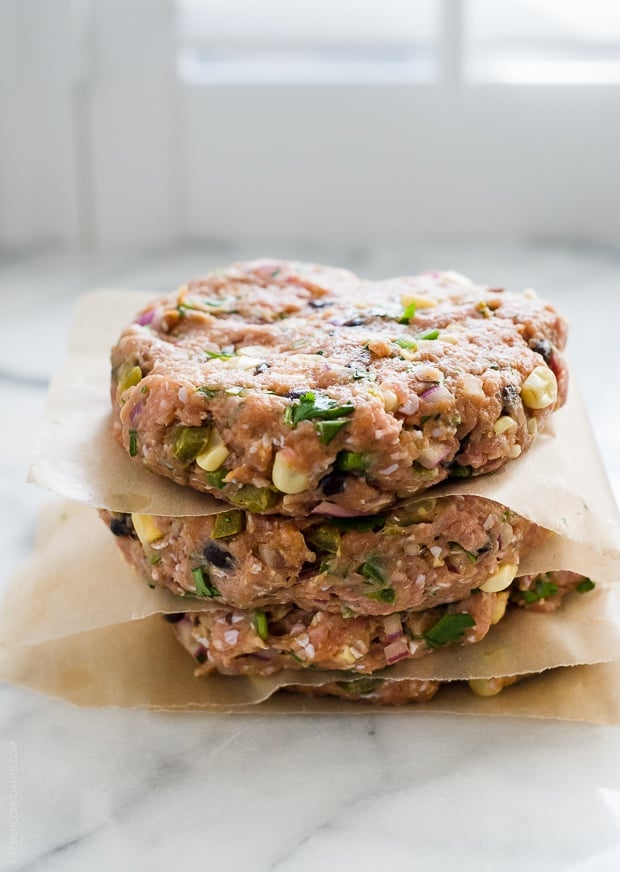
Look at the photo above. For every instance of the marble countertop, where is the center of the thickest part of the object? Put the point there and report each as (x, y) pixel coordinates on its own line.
(97, 789)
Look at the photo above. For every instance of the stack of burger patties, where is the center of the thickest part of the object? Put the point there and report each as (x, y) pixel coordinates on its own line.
(323, 411)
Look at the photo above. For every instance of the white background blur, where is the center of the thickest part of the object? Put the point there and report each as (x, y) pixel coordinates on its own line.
(144, 124)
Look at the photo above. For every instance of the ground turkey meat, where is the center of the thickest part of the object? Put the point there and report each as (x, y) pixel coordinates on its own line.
(263, 642)
(423, 553)
(289, 388)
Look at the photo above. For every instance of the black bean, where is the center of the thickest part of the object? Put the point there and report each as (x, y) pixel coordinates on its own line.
(175, 618)
(261, 367)
(510, 398)
(218, 556)
(542, 347)
(122, 525)
(355, 322)
(333, 483)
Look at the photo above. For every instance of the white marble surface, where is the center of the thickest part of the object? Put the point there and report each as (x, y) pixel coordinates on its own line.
(130, 790)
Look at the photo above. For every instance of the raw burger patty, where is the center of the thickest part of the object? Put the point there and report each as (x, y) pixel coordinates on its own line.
(251, 642)
(284, 387)
(422, 553)
(380, 691)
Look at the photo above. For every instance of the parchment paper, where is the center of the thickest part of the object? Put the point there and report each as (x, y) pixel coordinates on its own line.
(559, 484)
(79, 623)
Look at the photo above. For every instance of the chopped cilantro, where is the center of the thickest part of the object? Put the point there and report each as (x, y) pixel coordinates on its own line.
(220, 355)
(311, 405)
(204, 587)
(154, 558)
(585, 585)
(408, 314)
(471, 555)
(542, 589)
(328, 429)
(448, 628)
(133, 443)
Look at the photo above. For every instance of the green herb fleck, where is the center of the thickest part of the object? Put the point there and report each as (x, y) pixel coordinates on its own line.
(154, 558)
(296, 658)
(133, 443)
(228, 524)
(328, 429)
(585, 585)
(311, 405)
(408, 314)
(471, 555)
(259, 620)
(203, 587)
(448, 628)
(542, 589)
(405, 343)
(429, 334)
(220, 355)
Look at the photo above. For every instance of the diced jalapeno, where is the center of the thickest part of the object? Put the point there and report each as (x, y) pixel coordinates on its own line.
(254, 499)
(259, 619)
(585, 585)
(373, 570)
(325, 538)
(351, 461)
(216, 479)
(385, 595)
(361, 685)
(189, 442)
(128, 377)
(228, 524)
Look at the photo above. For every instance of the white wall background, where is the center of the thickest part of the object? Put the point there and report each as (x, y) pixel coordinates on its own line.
(106, 141)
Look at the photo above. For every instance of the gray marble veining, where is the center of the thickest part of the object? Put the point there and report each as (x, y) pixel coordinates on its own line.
(130, 790)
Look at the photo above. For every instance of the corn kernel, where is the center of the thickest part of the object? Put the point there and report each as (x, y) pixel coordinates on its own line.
(390, 400)
(540, 388)
(514, 452)
(498, 607)
(500, 579)
(146, 529)
(285, 477)
(345, 655)
(485, 686)
(214, 454)
(532, 426)
(420, 301)
(504, 424)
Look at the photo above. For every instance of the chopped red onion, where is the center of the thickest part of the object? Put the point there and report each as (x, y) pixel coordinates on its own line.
(436, 393)
(432, 456)
(146, 318)
(393, 627)
(136, 412)
(396, 651)
(335, 511)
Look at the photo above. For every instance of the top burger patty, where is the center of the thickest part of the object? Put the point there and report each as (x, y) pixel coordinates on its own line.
(292, 388)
